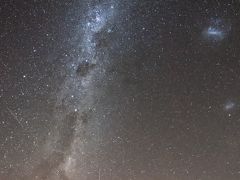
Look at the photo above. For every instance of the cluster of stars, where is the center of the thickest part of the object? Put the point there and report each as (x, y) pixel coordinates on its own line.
(217, 30)
(229, 106)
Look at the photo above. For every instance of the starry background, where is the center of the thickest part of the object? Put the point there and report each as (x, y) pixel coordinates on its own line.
(117, 90)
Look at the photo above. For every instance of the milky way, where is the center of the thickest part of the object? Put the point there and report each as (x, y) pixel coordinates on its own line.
(76, 101)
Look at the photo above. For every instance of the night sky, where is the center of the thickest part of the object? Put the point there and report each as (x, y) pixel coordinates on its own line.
(120, 90)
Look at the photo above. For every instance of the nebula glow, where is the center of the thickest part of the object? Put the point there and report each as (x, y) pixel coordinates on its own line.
(217, 30)
(229, 105)
(214, 32)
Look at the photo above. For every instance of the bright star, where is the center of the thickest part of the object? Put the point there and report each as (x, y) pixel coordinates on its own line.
(98, 19)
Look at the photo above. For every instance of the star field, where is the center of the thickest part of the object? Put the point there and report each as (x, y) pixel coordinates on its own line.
(119, 90)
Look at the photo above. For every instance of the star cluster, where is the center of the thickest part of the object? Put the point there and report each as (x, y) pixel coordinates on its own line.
(217, 30)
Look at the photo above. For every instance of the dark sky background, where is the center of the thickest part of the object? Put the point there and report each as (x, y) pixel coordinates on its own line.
(120, 90)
